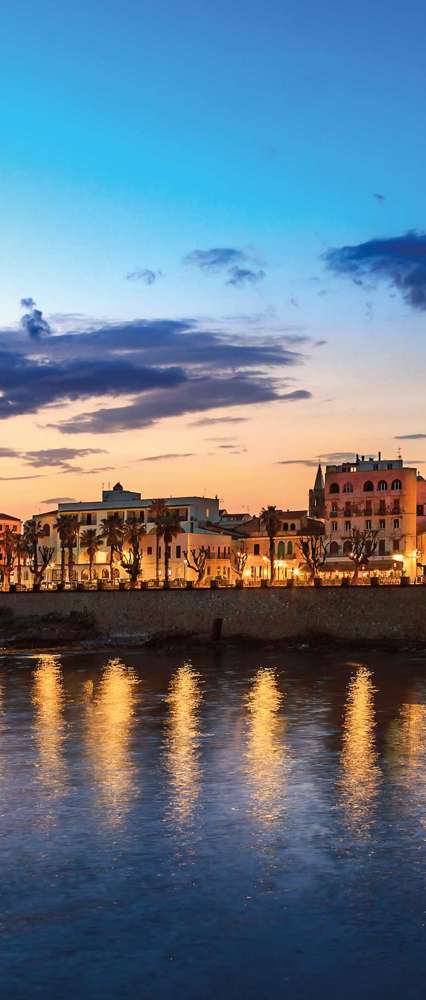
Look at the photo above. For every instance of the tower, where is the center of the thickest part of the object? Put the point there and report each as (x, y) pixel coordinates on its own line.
(316, 496)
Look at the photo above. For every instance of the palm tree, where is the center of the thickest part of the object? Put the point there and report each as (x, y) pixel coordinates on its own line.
(90, 541)
(33, 531)
(131, 557)
(170, 527)
(271, 519)
(112, 532)
(8, 539)
(156, 513)
(21, 553)
(62, 527)
(72, 535)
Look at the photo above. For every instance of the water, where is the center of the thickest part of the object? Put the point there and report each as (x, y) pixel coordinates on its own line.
(239, 825)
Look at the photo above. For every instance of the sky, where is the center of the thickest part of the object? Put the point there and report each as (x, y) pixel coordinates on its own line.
(213, 247)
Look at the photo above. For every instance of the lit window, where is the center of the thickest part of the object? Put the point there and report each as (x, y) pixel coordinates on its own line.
(397, 485)
(396, 522)
(382, 524)
(334, 525)
(382, 485)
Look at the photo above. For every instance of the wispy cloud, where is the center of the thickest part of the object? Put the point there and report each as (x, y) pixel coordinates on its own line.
(210, 421)
(227, 259)
(144, 274)
(167, 457)
(56, 500)
(399, 260)
(410, 437)
(244, 276)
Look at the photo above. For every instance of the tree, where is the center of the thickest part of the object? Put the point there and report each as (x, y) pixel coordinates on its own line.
(170, 527)
(33, 531)
(271, 519)
(72, 534)
(198, 564)
(21, 556)
(112, 532)
(314, 550)
(363, 545)
(9, 537)
(131, 555)
(62, 527)
(238, 560)
(156, 513)
(90, 542)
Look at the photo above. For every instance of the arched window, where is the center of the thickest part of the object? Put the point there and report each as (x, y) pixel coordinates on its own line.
(397, 485)
(285, 526)
(347, 547)
(334, 488)
(46, 529)
(382, 485)
(348, 488)
(368, 486)
(334, 549)
(281, 550)
(292, 526)
(290, 548)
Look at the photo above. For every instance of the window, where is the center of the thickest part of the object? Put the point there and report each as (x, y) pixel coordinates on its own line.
(348, 509)
(292, 526)
(347, 525)
(142, 515)
(285, 526)
(368, 525)
(368, 486)
(256, 550)
(397, 485)
(375, 466)
(420, 510)
(396, 507)
(334, 507)
(382, 547)
(281, 550)
(334, 549)
(334, 488)
(348, 488)
(178, 552)
(396, 522)
(382, 485)
(46, 529)
(368, 507)
(334, 525)
(149, 550)
(347, 547)
(290, 549)
(396, 545)
(382, 524)
(390, 465)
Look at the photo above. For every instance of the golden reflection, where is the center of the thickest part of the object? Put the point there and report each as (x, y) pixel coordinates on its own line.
(266, 753)
(48, 699)
(407, 757)
(183, 740)
(361, 773)
(110, 712)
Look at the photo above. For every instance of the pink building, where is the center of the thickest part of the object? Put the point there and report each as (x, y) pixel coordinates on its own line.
(378, 495)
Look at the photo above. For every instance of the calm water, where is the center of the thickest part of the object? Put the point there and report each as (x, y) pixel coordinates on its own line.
(233, 826)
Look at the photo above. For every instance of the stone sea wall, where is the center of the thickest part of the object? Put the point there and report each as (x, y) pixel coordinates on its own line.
(359, 613)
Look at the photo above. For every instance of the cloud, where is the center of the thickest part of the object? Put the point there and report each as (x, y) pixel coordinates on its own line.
(329, 457)
(399, 260)
(32, 321)
(410, 437)
(155, 369)
(210, 421)
(311, 462)
(58, 457)
(292, 397)
(15, 479)
(244, 276)
(379, 197)
(144, 274)
(56, 500)
(167, 457)
(216, 259)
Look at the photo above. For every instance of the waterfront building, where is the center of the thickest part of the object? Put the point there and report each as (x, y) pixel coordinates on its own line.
(7, 521)
(253, 540)
(372, 495)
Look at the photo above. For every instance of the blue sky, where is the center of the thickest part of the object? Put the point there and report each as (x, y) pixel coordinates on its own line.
(134, 133)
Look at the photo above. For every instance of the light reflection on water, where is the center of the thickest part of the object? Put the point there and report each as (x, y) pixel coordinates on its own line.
(48, 699)
(266, 750)
(109, 717)
(361, 774)
(212, 827)
(183, 741)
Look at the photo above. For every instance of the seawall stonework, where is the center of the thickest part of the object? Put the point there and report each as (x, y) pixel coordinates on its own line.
(359, 613)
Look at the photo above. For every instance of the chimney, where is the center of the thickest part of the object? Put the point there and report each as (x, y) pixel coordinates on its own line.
(380, 456)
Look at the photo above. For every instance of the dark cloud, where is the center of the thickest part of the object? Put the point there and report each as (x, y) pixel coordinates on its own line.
(244, 276)
(216, 259)
(330, 457)
(167, 457)
(399, 260)
(144, 274)
(410, 437)
(15, 479)
(33, 321)
(310, 462)
(290, 397)
(210, 421)
(58, 457)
